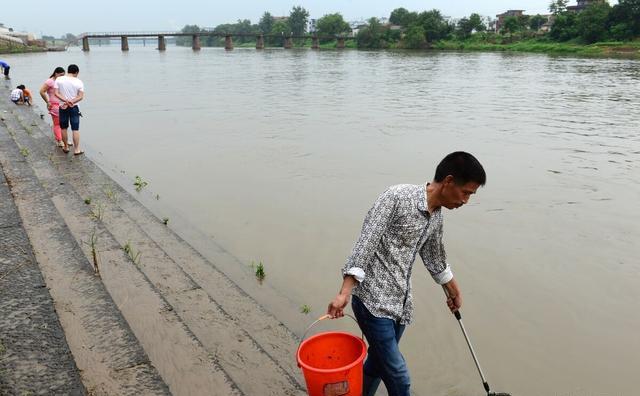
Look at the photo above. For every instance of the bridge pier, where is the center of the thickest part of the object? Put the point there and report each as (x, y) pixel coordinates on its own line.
(162, 43)
(228, 42)
(288, 43)
(340, 43)
(315, 43)
(85, 44)
(124, 43)
(195, 42)
(260, 41)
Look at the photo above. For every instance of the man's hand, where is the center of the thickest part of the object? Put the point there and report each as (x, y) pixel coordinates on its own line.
(454, 296)
(454, 304)
(336, 307)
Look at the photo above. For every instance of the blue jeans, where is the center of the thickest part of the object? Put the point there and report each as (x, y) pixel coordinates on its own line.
(384, 360)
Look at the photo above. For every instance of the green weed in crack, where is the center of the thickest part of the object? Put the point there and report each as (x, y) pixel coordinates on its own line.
(259, 271)
(131, 253)
(139, 183)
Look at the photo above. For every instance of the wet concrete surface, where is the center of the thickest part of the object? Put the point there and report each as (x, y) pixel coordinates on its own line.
(34, 355)
(107, 353)
(199, 313)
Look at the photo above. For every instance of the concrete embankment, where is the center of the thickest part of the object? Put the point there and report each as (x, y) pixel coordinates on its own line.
(158, 317)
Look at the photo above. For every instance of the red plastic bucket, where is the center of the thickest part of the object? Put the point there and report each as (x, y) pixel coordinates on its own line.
(331, 363)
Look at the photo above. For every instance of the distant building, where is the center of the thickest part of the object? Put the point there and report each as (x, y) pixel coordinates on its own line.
(546, 27)
(356, 26)
(583, 4)
(8, 34)
(510, 13)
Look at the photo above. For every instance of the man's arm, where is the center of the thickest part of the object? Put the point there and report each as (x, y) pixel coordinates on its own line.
(78, 97)
(435, 260)
(59, 96)
(374, 226)
(336, 307)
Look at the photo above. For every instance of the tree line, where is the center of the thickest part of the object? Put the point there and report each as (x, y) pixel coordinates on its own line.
(599, 22)
(411, 29)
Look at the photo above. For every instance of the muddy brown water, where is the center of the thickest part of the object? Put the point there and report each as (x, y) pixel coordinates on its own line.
(277, 155)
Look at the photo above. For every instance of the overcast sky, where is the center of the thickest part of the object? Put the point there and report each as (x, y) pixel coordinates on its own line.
(60, 17)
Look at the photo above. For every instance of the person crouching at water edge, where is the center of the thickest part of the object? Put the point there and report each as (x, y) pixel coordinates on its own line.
(48, 94)
(27, 97)
(405, 220)
(17, 96)
(70, 90)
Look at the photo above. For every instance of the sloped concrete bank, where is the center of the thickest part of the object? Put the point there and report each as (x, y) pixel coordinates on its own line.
(194, 328)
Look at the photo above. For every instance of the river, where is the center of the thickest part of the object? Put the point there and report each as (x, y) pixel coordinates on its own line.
(276, 156)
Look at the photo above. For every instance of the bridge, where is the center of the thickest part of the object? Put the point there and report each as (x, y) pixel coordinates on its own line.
(195, 38)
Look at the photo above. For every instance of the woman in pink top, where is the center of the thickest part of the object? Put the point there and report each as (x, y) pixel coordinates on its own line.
(48, 94)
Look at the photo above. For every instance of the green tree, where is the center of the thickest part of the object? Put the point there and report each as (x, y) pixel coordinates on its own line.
(298, 18)
(624, 20)
(591, 24)
(511, 24)
(332, 25)
(536, 22)
(415, 37)
(266, 23)
(464, 28)
(477, 23)
(435, 26)
(558, 6)
(564, 27)
(403, 17)
(372, 36)
(280, 28)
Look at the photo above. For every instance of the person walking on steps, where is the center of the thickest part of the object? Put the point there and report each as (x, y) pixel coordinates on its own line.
(70, 90)
(48, 94)
(406, 220)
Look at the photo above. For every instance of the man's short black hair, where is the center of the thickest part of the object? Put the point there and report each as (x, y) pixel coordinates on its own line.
(464, 168)
(73, 69)
(21, 86)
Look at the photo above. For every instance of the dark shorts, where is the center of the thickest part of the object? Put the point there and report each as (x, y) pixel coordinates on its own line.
(70, 115)
(6, 71)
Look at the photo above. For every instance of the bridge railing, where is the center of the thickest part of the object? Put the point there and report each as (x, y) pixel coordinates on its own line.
(202, 33)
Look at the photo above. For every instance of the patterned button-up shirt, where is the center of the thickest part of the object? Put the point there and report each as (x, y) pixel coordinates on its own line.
(397, 227)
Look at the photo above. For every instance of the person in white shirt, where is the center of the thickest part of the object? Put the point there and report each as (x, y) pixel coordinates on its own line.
(17, 96)
(70, 90)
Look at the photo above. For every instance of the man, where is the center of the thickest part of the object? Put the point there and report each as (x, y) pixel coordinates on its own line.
(5, 68)
(404, 221)
(70, 90)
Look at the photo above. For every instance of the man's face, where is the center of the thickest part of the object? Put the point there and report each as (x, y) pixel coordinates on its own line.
(455, 195)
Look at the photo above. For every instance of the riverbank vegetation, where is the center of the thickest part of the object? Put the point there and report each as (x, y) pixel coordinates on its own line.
(596, 29)
(18, 49)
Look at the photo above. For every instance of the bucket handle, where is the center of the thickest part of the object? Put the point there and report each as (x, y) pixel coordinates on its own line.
(323, 317)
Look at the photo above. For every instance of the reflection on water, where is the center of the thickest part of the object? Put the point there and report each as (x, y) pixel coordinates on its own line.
(277, 156)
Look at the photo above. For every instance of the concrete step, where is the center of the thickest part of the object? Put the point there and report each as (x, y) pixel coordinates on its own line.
(103, 346)
(34, 354)
(253, 348)
(178, 356)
